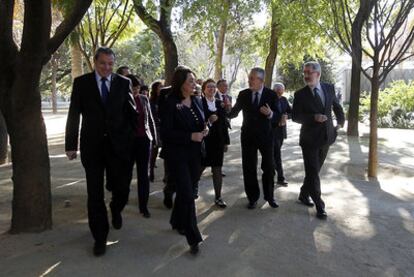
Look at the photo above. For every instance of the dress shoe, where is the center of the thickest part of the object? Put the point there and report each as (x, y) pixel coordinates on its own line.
(273, 204)
(252, 205)
(168, 202)
(282, 183)
(321, 214)
(146, 214)
(223, 174)
(116, 219)
(99, 248)
(220, 203)
(305, 200)
(194, 249)
(151, 177)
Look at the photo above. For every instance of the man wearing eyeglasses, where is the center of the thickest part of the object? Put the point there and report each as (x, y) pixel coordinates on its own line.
(312, 107)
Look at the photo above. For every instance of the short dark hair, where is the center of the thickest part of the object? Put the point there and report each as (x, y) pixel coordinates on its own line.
(144, 87)
(105, 51)
(203, 87)
(221, 81)
(134, 80)
(179, 78)
(122, 68)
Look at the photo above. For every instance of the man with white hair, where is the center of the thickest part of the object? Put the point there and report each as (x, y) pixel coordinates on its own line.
(280, 132)
(259, 110)
(312, 107)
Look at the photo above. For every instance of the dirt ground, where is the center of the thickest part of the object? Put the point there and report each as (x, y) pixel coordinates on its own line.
(369, 231)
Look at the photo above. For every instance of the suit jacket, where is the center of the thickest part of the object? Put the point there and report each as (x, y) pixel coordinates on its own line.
(115, 120)
(218, 131)
(217, 96)
(282, 108)
(255, 124)
(150, 128)
(177, 128)
(305, 106)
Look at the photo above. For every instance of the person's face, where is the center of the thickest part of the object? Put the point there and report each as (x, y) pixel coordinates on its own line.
(223, 87)
(210, 89)
(104, 64)
(311, 76)
(255, 82)
(135, 90)
(279, 92)
(145, 92)
(160, 86)
(189, 85)
(125, 72)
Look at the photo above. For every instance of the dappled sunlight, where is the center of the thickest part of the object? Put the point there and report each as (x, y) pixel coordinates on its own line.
(399, 187)
(408, 220)
(323, 241)
(50, 269)
(351, 205)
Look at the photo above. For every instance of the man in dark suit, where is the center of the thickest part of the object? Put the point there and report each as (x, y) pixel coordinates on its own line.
(108, 113)
(280, 132)
(312, 107)
(259, 110)
(223, 95)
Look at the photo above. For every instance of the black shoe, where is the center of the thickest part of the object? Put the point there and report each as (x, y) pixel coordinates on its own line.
(282, 183)
(306, 200)
(273, 204)
(116, 219)
(220, 203)
(99, 248)
(151, 177)
(321, 214)
(168, 202)
(252, 205)
(194, 249)
(146, 214)
(223, 174)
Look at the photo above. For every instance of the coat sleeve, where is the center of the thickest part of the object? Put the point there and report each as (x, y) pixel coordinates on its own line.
(72, 122)
(338, 110)
(298, 111)
(169, 131)
(237, 107)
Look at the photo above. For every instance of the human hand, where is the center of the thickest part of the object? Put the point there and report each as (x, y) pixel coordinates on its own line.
(197, 136)
(212, 118)
(71, 155)
(320, 118)
(265, 110)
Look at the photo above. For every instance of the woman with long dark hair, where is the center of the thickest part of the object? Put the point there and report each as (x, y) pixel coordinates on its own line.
(183, 130)
(155, 92)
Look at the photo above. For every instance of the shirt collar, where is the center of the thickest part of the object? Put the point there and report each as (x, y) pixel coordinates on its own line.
(318, 86)
(259, 91)
(99, 77)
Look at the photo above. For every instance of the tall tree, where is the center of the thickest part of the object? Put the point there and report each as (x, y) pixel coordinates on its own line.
(20, 103)
(389, 35)
(104, 23)
(347, 33)
(162, 27)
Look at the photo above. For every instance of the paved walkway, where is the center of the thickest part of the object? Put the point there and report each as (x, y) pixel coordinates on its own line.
(369, 232)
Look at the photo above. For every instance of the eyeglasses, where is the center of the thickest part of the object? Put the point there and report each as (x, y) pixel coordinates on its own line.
(308, 73)
(210, 86)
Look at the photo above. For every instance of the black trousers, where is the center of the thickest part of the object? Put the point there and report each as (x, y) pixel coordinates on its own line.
(185, 173)
(141, 155)
(96, 164)
(277, 154)
(313, 158)
(250, 145)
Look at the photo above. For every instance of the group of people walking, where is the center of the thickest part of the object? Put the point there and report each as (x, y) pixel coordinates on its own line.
(122, 127)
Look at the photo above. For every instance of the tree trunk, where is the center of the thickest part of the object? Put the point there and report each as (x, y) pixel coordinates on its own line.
(54, 67)
(218, 67)
(273, 46)
(3, 140)
(32, 208)
(353, 111)
(76, 60)
(373, 137)
(170, 58)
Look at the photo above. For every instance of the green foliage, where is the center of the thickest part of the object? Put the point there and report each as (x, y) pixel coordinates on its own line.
(143, 55)
(395, 106)
(292, 77)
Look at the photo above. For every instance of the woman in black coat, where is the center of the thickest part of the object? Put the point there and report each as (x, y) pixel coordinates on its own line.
(217, 137)
(155, 92)
(182, 132)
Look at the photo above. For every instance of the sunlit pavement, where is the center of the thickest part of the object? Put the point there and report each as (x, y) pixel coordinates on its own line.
(369, 231)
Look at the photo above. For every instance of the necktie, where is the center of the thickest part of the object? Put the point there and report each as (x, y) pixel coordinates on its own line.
(104, 90)
(256, 100)
(317, 97)
(279, 105)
